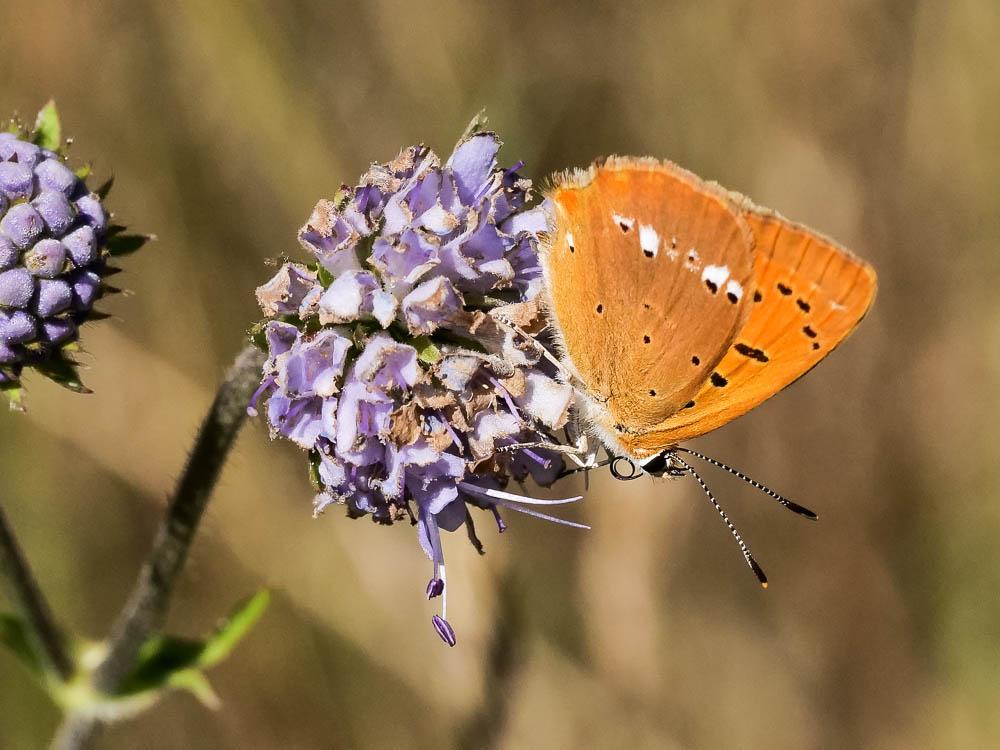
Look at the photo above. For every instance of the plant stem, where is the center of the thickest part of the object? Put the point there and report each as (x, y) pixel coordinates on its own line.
(28, 596)
(146, 608)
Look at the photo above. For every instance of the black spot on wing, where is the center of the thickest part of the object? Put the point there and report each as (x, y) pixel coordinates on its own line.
(803, 305)
(785, 290)
(718, 381)
(749, 351)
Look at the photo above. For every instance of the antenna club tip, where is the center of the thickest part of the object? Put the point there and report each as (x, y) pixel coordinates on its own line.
(763, 584)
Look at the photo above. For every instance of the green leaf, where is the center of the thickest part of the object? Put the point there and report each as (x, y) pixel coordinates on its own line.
(159, 658)
(14, 635)
(176, 662)
(198, 685)
(234, 628)
(84, 172)
(48, 130)
(126, 244)
(427, 352)
(62, 370)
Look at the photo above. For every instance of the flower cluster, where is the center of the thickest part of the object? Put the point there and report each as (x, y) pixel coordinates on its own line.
(55, 241)
(403, 357)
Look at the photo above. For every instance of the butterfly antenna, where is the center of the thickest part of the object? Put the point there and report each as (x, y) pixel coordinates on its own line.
(757, 570)
(794, 507)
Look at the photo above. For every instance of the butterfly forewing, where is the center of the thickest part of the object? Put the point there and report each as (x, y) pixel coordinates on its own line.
(809, 295)
(649, 276)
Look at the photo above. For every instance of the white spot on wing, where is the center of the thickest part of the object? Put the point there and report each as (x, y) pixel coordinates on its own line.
(715, 275)
(734, 288)
(569, 241)
(693, 260)
(623, 222)
(649, 240)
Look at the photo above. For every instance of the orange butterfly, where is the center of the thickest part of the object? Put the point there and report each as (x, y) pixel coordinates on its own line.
(678, 306)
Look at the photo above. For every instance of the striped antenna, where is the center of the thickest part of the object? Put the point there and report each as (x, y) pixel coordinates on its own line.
(794, 507)
(757, 570)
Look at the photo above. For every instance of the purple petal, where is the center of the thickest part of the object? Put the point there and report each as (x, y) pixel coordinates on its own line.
(348, 298)
(46, 259)
(16, 288)
(283, 294)
(432, 304)
(22, 224)
(471, 164)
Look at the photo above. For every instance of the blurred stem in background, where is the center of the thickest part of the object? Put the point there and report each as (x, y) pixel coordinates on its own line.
(146, 608)
(24, 591)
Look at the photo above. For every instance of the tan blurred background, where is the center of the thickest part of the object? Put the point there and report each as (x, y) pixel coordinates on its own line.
(224, 121)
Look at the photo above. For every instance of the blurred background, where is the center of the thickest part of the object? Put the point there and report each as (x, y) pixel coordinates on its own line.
(877, 122)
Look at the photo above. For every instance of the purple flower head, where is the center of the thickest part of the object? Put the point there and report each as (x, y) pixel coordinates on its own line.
(55, 248)
(400, 356)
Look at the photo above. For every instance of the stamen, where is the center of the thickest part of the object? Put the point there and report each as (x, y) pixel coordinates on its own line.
(506, 397)
(501, 524)
(543, 516)
(445, 630)
(543, 462)
(252, 406)
(501, 495)
(435, 587)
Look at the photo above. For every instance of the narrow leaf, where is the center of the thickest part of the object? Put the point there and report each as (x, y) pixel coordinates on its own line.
(63, 371)
(14, 635)
(104, 189)
(198, 685)
(234, 628)
(48, 130)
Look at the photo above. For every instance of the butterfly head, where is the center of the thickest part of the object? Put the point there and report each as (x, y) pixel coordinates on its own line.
(663, 464)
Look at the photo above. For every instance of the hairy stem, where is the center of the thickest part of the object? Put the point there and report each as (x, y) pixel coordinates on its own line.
(28, 597)
(145, 610)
